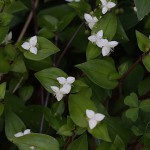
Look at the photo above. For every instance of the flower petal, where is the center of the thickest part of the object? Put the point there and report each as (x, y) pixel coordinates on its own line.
(26, 45)
(70, 80)
(90, 113)
(59, 96)
(27, 131)
(99, 117)
(33, 41)
(61, 80)
(111, 5)
(106, 51)
(33, 50)
(99, 34)
(92, 38)
(104, 2)
(9, 36)
(91, 24)
(92, 123)
(104, 10)
(88, 17)
(112, 44)
(55, 89)
(66, 88)
(19, 134)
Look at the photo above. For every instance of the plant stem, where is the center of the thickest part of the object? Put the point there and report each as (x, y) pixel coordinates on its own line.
(27, 22)
(133, 66)
(42, 120)
(18, 84)
(68, 45)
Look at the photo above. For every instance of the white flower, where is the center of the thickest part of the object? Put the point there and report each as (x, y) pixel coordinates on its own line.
(90, 20)
(31, 45)
(32, 147)
(96, 37)
(8, 38)
(94, 118)
(19, 134)
(107, 6)
(107, 46)
(135, 9)
(66, 83)
(72, 0)
(58, 92)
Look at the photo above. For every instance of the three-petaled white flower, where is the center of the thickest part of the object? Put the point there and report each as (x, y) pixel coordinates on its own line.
(19, 134)
(7, 39)
(58, 92)
(32, 147)
(95, 38)
(107, 47)
(72, 0)
(65, 87)
(94, 118)
(31, 45)
(107, 6)
(66, 83)
(91, 21)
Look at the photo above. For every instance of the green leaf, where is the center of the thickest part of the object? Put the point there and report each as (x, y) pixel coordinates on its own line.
(120, 35)
(16, 7)
(56, 21)
(78, 103)
(108, 23)
(47, 77)
(2, 90)
(132, 114)
(79, 144)
(4, 64)
(92, 51)
(39, 141)
(18, 65)
(78, 85)
(142, 8)
(25, 92)
(1, 109)
(45, 49)
(66, 129)
(100, 132)
(100, 72)
(5, 19)
(144, 86)
(55, 122)
(146, 62)
(132, 100)
(13, 124)
(119, 144)
(3, 31)
(143, 41)
(106, 146)
(145, 105)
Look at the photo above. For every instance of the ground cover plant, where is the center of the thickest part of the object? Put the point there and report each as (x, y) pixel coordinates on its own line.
(74, 75)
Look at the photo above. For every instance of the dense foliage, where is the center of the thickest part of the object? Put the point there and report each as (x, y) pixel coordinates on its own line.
(74, 75)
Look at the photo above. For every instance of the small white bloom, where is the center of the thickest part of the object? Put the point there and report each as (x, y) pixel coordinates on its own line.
(32, 147)
(66, 83)
(106, 46)
(58, 92)
(19, 134)
(95, 38)
(72, 0)
(7, 39)
(135, 9)
(91, 21)
(31, 45)
(107, 6)
(94, 118)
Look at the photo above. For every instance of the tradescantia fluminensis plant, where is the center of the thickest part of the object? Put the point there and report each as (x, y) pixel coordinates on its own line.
(74, 75)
